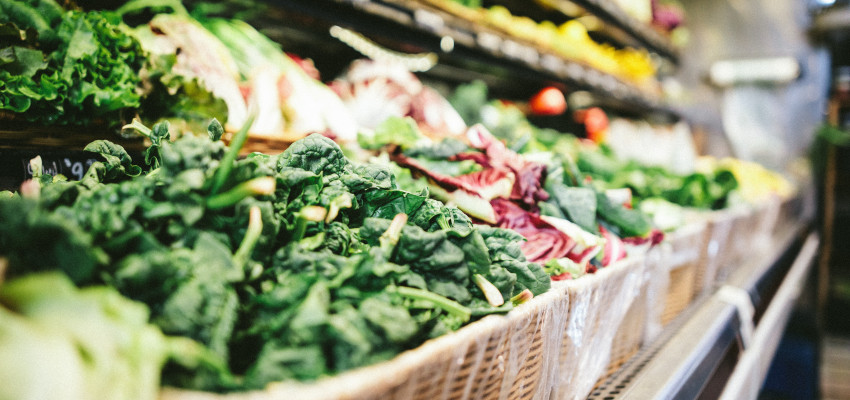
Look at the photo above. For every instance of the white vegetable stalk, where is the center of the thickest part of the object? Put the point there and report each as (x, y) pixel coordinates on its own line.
(391, 236)
(343, 201)
(491, 292)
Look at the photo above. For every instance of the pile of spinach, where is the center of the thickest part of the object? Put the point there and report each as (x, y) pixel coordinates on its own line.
(66, 67)
(294, 266)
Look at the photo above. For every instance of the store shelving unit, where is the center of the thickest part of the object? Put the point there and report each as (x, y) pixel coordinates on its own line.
(722, 342)
(611, 13)
(466, 51)
(470, 51)
(722, 346)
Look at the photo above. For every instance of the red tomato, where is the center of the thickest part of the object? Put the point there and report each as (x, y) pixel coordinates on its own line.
(595, 122)
(548, 101)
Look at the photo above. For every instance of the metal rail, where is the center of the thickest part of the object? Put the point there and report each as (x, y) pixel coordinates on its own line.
(694, 350)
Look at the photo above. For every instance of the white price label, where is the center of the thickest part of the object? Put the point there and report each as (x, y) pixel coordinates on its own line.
(575, 71)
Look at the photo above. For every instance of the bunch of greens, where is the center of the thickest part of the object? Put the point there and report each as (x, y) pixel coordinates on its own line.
(587, 204)
(58, 342)
(293, 266)
(66, 67)
(563, 216)
(702, 189)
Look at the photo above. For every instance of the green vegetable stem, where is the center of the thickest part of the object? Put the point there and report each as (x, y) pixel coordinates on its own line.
(226, 164)
(252, 235)
(254, 187)
(522, 297)
(303, 217)
(342, 201)
(391, 236)
(452, 307)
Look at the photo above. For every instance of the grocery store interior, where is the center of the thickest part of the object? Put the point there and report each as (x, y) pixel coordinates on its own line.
(424, 199)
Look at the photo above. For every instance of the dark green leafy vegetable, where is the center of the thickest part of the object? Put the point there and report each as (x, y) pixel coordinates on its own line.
(626, 222)
(283, 267)
(438, 151)
(60, 342)
(67, 67)
(395, 130)
(314, 153)
(577, 204)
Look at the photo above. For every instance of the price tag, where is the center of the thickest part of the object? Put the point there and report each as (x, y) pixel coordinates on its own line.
(530, 55)
(593, 78)
(15, 164)
(510, 48)
(520, 52)
(609, 83)
(72, 168)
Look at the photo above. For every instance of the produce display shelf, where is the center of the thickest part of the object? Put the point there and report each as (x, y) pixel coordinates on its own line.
(835, 20)
(612, 13)
(413, 25)
(722, 345)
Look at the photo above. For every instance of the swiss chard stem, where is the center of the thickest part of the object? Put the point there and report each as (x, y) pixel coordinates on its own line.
(254, 187)
(449, 305)
(252, 235)
(226, 164)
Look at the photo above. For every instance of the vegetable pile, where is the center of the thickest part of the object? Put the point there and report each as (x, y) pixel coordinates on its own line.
(233, 63)
(293, 266)
(66, 67)
(571, 224)
(596, 165)
(569, 40)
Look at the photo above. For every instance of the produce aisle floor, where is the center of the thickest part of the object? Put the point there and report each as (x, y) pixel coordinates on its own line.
(835, 368)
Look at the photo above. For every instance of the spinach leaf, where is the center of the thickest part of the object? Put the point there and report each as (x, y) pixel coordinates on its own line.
(316, 154)
(625, 222)
(442, 150)
(118, 163)
(578, 204)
